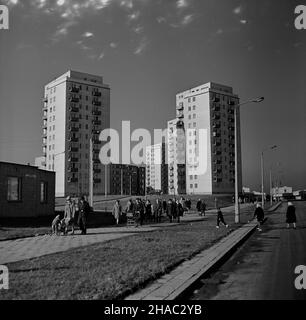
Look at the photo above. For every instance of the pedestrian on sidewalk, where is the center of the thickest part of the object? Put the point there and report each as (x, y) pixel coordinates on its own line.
(290, 215)
(84, 210)
(260, 215)
(170, 209)
(69, 215)
(55, 226)
(117, 211)
(203, 208)
(198, 205)
(220, 218)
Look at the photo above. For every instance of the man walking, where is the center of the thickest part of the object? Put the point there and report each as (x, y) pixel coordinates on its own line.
(260, 215)
(84, 210)
(117, 211)
(220, 218)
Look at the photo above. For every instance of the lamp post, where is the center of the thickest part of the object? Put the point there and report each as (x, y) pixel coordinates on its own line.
(262, 174)
(237, 206)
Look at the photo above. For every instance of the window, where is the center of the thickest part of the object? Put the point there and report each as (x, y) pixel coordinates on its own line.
(191, 186)
(43, 192)
(14, 189)
(194, 99)
(196, 185)
(194, 107)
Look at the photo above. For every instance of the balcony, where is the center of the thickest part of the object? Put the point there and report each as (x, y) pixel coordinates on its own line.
(96, 122)
(180, 124)
(96, 150)
(96, 180)
(44, 142)
(74, 89)
(217, 180)
(217, 153)
(216, 99)
(231, 128)
(230, 111)
(73, 119)
(73, 159)
(73, 109)
(216, 134)
(180, 115)
(231, 137)
(74, 99)
(45, 100)
(216, 117)
(73, 170)
(180, 107)
(216, 125)
(72, 180)
(217, 171)
(96, 160)
(232, 163)
(45, 134)
(96, 170)
(73, 129)
(231, 103)
(96, 112)
(96, 103)
(215, 108)
(45, 116)
(231, 120)
(73, 149)
(73, 139)
(96, 93)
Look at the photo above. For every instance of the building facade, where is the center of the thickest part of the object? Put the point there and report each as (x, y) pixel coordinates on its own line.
(206, 113)
(126, 179)
(26, 191)
(156, 168)
(76, 109)
(176, 157)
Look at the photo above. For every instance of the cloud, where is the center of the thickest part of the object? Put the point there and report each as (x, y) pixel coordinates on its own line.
(101, 56)
(114, 45)
(138, 29)
(187, 19)
(243, 21)
(141, 47)
(237, 10)
(182, 4)
(134, 16)
(88, 34)
(161, 19)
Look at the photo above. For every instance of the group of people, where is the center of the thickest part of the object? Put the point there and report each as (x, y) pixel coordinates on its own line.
(75, 212)
(142, 210)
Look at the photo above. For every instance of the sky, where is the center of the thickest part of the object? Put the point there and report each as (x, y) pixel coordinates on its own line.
(149, 50)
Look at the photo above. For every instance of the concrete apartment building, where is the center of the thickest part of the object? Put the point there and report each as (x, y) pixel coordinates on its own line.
(126, 179)
(26, 191)
(206, 115)
(156, 168)
(76, 108)
(176, 157)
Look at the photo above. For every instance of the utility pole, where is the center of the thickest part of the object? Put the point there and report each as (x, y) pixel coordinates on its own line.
(271, 202)
(121, 181)
(105, 178)
(262, 181)
(91, 172)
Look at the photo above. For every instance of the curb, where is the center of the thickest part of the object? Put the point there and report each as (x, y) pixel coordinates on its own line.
(177, 283)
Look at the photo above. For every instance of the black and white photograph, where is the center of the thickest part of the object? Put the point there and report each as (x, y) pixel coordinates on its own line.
(153, 154)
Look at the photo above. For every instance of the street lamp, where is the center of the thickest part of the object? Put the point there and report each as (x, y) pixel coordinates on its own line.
(237, 207)
(262, 174)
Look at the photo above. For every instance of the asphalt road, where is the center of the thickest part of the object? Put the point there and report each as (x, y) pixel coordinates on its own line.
(263, 268)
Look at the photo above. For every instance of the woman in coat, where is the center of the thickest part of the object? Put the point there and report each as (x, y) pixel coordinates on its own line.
(260, 215)
(117, 210)
(290, 215)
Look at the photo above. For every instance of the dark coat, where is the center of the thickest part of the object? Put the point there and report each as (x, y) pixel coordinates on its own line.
(259, 214)
(199, 203)
(290, 215)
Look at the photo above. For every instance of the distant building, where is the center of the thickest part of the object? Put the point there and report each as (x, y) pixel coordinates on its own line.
(76, 109)
(176, 157)
(156, 168)
(299, 195)
(206, 140)
(246, 190)
(26, 191)
(126, 179)
(282, 192)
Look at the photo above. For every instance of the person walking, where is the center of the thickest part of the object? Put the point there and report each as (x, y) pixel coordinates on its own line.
(203, 208)
(84, 210)
(179, 210)
(157, 210)
(198, 205)
(117, 211)
(148, 210)
(220, 218)
(69, 215)
(170, 210)
(138, 212)
(290, 215)
(165, 206)
(260, 215)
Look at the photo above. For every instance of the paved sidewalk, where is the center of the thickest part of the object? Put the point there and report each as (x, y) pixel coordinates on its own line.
(32, 247)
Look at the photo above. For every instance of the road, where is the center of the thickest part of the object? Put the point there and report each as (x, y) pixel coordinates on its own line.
(263, 268)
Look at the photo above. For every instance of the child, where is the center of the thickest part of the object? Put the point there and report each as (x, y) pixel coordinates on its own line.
(220, 218)
(56, 225)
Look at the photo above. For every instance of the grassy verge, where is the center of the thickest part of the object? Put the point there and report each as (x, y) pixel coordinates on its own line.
(111, 270)
(8, 233)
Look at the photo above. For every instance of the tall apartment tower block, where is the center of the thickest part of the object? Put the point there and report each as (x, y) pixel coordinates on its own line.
(156, 168)
(76, 109)
(205, 116)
